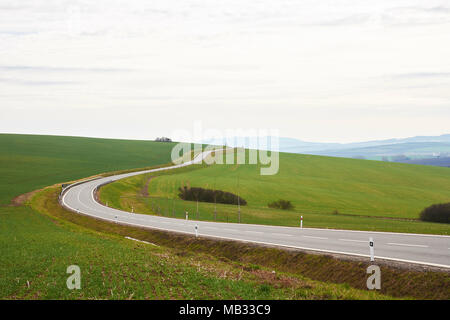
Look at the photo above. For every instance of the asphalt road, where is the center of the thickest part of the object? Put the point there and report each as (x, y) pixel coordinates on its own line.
(412, 248)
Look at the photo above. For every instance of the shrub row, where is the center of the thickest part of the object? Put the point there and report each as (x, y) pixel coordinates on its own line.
(281, 204)
(436, 213)
(208, 195)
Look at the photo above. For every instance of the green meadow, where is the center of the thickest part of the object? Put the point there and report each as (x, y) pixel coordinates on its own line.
(29, 162)
(328, 192)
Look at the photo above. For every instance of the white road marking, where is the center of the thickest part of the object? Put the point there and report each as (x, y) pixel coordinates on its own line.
(352, 240)
(258, 232)
(282, 234)
(130, 238)
(407, 245)
(231, 230)
(315, 237)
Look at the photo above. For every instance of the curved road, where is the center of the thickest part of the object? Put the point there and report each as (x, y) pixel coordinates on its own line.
(412, 248)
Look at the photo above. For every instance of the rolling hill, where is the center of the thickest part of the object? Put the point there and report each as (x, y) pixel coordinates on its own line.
(29, 162)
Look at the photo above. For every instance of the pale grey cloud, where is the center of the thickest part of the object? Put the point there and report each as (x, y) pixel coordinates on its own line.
(421, 75)
(58, 69)
(24, 82)
(317, 69)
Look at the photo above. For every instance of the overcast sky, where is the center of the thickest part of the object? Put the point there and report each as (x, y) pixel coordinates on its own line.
(317, 70)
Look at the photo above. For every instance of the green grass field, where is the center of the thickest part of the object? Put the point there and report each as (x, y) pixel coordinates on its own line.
(29, 162)
(38, 243)
(368, 195)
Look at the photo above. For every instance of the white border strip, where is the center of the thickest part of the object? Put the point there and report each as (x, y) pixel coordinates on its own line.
(146, 242)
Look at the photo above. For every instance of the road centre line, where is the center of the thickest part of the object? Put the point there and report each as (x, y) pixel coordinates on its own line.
(315, 237)
(407, 245)
(351, 240)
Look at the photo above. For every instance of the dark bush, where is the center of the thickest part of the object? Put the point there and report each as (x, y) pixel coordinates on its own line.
(208, 195)
(436, 213)
(281, 204)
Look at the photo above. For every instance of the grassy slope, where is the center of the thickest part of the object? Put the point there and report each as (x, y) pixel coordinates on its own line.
(316, 185)
(322, 184)
(29, 162)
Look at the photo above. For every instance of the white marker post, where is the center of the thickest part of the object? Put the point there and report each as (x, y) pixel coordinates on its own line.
(372, 256)
(132, 209)
(187, 215)
(301, 222)
(196, 230)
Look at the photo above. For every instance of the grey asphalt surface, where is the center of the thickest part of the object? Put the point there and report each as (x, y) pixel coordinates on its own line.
(411, 248)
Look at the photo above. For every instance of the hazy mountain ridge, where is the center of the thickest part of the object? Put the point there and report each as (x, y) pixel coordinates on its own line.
(411, 150)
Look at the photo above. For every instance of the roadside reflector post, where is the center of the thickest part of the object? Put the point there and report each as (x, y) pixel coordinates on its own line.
(301, 222)
(132, 209)
(372, 256)
(187, 215)
(196, 230)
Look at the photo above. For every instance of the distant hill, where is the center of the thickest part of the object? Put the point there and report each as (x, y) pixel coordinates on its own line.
(428, 143)
(393, 152)
(398, 150)
(440, 162)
